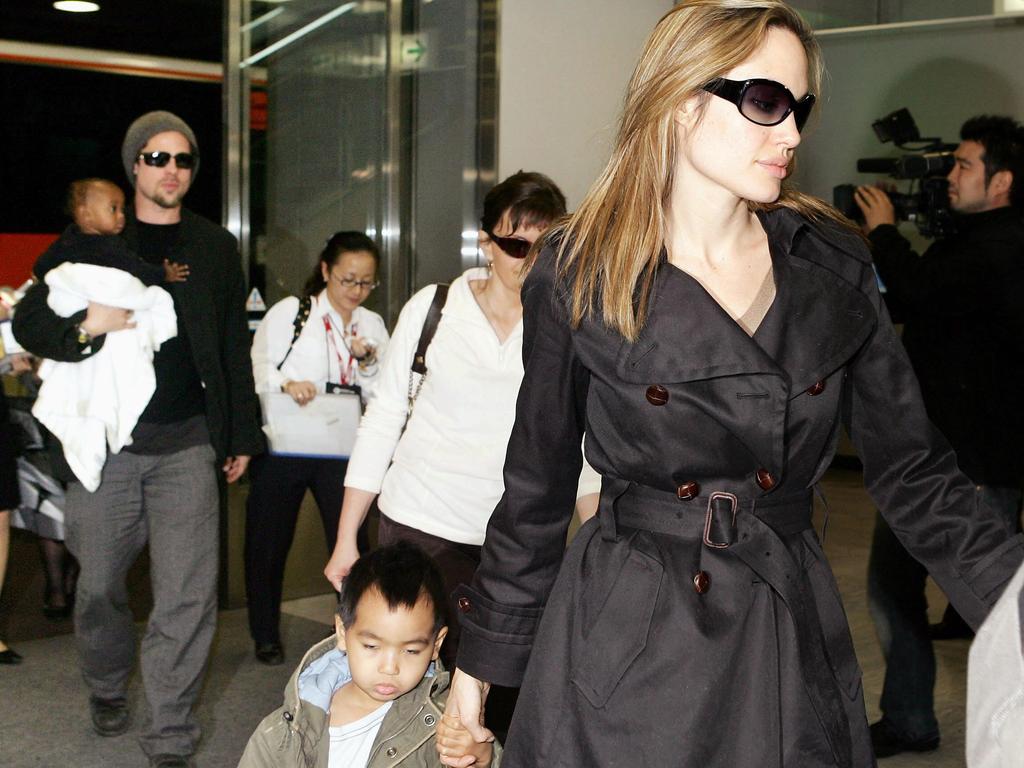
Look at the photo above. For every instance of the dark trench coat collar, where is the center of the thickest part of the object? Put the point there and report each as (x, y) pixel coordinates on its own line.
(818, 320)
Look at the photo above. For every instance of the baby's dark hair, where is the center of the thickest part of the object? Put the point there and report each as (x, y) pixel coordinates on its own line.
(403, 573)
(78, 192)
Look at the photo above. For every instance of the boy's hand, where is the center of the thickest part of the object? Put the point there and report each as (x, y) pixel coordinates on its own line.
(174, 272)
(457, 747)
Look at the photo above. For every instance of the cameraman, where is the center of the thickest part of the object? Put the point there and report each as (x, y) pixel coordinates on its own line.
(963, 308)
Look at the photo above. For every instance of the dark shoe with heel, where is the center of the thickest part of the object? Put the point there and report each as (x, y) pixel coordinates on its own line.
(109, 716)
(170, 761)
(271, 654)
(887, 741)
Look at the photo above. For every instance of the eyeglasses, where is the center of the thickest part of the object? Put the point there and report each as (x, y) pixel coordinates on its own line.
(513, 246)
(764, 102)
(184, 160)
(362, 285)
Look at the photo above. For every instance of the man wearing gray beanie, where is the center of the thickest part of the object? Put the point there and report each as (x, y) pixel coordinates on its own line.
(162, 487)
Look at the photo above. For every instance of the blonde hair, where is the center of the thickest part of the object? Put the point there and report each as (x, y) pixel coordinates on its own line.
(612, 244)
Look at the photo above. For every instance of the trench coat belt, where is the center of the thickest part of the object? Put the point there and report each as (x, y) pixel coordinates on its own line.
(751, 530)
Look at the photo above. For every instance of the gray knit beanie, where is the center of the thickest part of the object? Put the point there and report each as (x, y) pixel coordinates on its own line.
(145, 128)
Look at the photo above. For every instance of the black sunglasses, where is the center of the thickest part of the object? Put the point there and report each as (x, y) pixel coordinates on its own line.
(184, 160)
(761, 101)
(513, 246)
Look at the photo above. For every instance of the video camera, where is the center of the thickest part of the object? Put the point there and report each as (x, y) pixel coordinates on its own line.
(927, 202)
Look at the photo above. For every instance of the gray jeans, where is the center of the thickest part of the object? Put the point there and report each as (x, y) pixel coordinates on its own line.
(171, 501)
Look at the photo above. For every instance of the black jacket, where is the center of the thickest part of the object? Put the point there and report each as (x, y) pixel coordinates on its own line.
(212, 309)
(963, 308)
(649, 645)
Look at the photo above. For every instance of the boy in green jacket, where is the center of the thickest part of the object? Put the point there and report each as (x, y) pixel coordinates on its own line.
(372, 694)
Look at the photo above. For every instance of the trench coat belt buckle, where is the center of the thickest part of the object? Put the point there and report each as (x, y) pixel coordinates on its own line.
(720, 520)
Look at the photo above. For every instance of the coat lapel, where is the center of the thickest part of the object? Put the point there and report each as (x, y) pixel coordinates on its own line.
(818, 321)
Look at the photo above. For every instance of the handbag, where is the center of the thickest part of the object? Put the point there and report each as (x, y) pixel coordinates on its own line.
(418, 369)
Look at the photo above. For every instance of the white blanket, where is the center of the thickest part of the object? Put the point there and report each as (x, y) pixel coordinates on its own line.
(97, 402)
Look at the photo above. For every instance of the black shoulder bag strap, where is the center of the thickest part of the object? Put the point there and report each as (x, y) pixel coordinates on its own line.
(305, 305)
(419, 360)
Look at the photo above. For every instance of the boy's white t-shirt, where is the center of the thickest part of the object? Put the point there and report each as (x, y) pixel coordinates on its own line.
(351, 744)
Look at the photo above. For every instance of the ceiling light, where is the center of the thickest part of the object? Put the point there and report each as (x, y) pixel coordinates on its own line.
(76, 6)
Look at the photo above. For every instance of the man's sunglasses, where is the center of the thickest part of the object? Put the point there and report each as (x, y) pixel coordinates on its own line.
(764, 102)
(513, 246)
(184, 160)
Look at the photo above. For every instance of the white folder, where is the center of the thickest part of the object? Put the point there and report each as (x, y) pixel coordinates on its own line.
(324, 427)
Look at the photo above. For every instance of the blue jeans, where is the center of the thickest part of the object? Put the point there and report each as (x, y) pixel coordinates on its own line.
(896, 600)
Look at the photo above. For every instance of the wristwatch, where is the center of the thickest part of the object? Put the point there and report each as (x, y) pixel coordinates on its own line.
(83, 338)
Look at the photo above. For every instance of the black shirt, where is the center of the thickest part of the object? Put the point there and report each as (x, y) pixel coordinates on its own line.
(179, 396)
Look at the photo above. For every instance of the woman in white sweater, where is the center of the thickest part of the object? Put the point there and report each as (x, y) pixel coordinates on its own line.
(440, 478)
(306, 347)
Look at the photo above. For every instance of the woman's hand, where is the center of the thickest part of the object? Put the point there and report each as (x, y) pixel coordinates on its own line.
(302, 392)
(363, 350)
(342, 559)
(466, 697)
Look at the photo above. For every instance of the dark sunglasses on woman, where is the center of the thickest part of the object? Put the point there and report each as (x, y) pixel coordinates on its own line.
(184, 160)
(761, 101)
(513, 246)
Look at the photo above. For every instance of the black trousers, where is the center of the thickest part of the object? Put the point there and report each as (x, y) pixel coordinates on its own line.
(277, 487)
(457, 563)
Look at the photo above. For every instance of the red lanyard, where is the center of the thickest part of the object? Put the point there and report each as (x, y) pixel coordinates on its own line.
(344, 368)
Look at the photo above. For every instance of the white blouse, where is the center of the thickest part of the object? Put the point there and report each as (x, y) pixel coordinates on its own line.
(321, 352)
(445, 474)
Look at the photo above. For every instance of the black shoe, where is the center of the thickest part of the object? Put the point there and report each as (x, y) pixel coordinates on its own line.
(271, 654)
(10, 656)
(887, 741)
(56, 612)
(109, 716)
(170, 761)
(950, 630)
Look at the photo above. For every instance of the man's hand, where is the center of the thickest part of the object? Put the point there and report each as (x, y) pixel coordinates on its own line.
(235, 467)
(876, 206)
(101, 319)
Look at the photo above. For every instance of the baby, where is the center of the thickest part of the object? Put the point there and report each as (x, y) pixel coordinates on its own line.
(97, 208)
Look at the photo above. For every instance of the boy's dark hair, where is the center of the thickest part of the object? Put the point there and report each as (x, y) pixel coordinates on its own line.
(403, 573)
(78, 193)
(1003, 140)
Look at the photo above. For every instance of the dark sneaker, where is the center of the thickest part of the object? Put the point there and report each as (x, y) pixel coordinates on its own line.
(956, 629)
(887, 741)
(271, 654)
(170, 761)
(109, 716)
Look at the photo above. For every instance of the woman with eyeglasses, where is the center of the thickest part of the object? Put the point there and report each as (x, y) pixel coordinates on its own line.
(438, 467)
(710, 328)
(325, 341)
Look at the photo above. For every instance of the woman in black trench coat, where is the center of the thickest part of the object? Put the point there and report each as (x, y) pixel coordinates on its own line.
(710, 329)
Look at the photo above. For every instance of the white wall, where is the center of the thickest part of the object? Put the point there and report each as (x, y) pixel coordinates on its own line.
(563, 69)
(943, 75)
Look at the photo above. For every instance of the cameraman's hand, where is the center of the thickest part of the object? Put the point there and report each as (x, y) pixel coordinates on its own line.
(876, 206)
